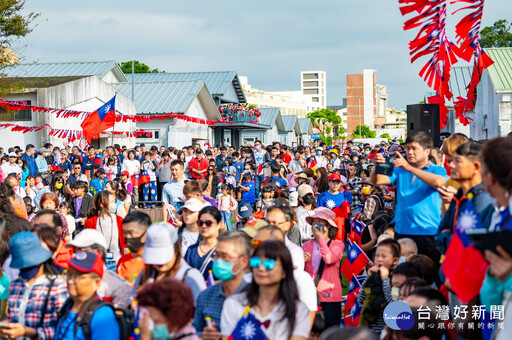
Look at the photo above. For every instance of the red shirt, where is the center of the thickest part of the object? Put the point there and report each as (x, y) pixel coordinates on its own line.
(200, 165)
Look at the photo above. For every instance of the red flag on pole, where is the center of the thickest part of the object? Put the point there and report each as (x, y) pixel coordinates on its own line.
(100, 120)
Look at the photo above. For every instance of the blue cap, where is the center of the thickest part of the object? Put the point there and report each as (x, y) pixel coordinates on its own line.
(245, 210)
(27, 250)
(329, 148)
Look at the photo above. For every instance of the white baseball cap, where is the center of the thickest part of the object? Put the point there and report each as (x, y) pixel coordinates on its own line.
(293, 199)
(87, 238)
(193, 205)
(160, 240)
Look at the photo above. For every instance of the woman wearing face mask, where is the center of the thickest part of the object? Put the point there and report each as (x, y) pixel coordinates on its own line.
(272, 297)
(163, 258)
(102, 218)
(38, 282)
(168, 307)
(373, 202)
(200, 255)
(323, 259)
(56, 186)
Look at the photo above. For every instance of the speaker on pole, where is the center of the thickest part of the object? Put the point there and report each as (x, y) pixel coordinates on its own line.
(424, 117)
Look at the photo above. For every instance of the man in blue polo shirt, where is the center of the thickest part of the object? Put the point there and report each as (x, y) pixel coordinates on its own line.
(418, 204)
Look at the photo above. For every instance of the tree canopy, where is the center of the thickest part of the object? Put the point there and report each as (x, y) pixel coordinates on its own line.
(139, 67)
(328, 122)
(497, 35)
(364, 131)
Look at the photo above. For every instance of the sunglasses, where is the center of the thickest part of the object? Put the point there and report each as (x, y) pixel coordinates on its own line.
(207, 223)
(268, 264)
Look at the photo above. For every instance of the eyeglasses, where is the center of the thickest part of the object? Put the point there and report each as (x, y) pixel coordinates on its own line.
(208, 223)
(268, 264)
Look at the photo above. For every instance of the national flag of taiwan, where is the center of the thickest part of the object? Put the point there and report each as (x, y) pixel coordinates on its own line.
(144, 177)
(342, 214)
(312, 162)
(56, 166)
(353, 290)
(463, 265)
(356, 230)
(249, 328)
(355, 261)
(136, 180)
(372, 155)
(100, 120)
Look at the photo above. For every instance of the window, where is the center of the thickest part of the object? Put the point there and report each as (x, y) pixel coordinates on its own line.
(310, 91)
(310, 76)
(315, 99)
(16, 116)
(156, 135)
(310, 84)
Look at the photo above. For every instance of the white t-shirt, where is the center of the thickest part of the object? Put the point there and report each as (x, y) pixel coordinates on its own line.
(114, 287)
(108, 227)
(234, 307)
(296, 252)
(132, 166)
(188, 238)
(304, 227)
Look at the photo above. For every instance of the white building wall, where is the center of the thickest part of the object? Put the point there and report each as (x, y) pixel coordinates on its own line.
(9, 139)
(486, 117)
(368, 90)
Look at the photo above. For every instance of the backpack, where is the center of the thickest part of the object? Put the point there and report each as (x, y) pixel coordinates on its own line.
(125, 318)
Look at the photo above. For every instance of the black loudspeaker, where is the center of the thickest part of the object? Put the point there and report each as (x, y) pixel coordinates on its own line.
(424, 117)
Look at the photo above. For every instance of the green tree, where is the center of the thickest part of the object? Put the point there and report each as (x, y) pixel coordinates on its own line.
(386, 135)
(13, 25)
(497, 35)
(139, 67)
(327, 122)
(364, 131)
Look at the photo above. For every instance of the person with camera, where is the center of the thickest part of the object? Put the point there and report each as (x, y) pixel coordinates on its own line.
(417, 210)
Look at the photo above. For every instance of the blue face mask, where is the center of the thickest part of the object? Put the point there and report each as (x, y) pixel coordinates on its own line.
(319, 153)
(160, 332)
(29, 273)
(401, 260)
(223, 270)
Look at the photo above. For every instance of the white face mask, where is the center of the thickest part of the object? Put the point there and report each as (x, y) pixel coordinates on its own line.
(112, 207)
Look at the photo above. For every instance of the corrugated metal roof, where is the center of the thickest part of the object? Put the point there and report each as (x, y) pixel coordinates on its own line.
(460, 76)
(501, 71)
(216, 82)
(162, 97)
(97, 68)
(289, 122)
(305, 126)
(268, 115)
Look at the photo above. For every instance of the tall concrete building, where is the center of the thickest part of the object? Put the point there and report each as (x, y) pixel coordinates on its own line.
(313, 85)
(366, 101)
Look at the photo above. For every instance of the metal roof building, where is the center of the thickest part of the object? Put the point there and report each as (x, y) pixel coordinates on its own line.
(501, 71)
(224, 86)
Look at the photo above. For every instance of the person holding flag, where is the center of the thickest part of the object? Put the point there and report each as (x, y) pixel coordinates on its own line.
(91, 163)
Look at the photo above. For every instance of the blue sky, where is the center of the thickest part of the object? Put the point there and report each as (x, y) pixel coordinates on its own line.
(268, 41)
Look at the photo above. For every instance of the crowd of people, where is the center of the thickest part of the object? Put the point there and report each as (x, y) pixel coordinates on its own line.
(256, 242)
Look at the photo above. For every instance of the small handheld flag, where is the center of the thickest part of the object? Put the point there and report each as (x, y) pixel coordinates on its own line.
(355, 261)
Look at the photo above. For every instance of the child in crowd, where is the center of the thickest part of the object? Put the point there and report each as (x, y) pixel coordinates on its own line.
(268, 200)
(64, 211)
(229, 173)
(111, 168)
(248, 189)
(30, 207)
(39, 183)
(375, 294)
(226, 204)
(149, 189)
(125, 177)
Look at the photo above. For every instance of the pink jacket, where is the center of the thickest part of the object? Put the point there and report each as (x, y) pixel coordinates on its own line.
(329, 286)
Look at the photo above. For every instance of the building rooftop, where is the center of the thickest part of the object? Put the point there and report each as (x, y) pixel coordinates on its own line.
(271, 116)
(501, 71)
(306, 128)
(290, 123)
(169, 96)
(68, 69)
(217, 82)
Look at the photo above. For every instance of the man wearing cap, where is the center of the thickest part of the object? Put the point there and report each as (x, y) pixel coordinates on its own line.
(84, 279)
(334, 197)
(198, 166)
(98, 184)
(12, 167)
(42, 166)
(188, 233)
(418, 213)
(245, 213)
(231, 258)
(113, 288)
